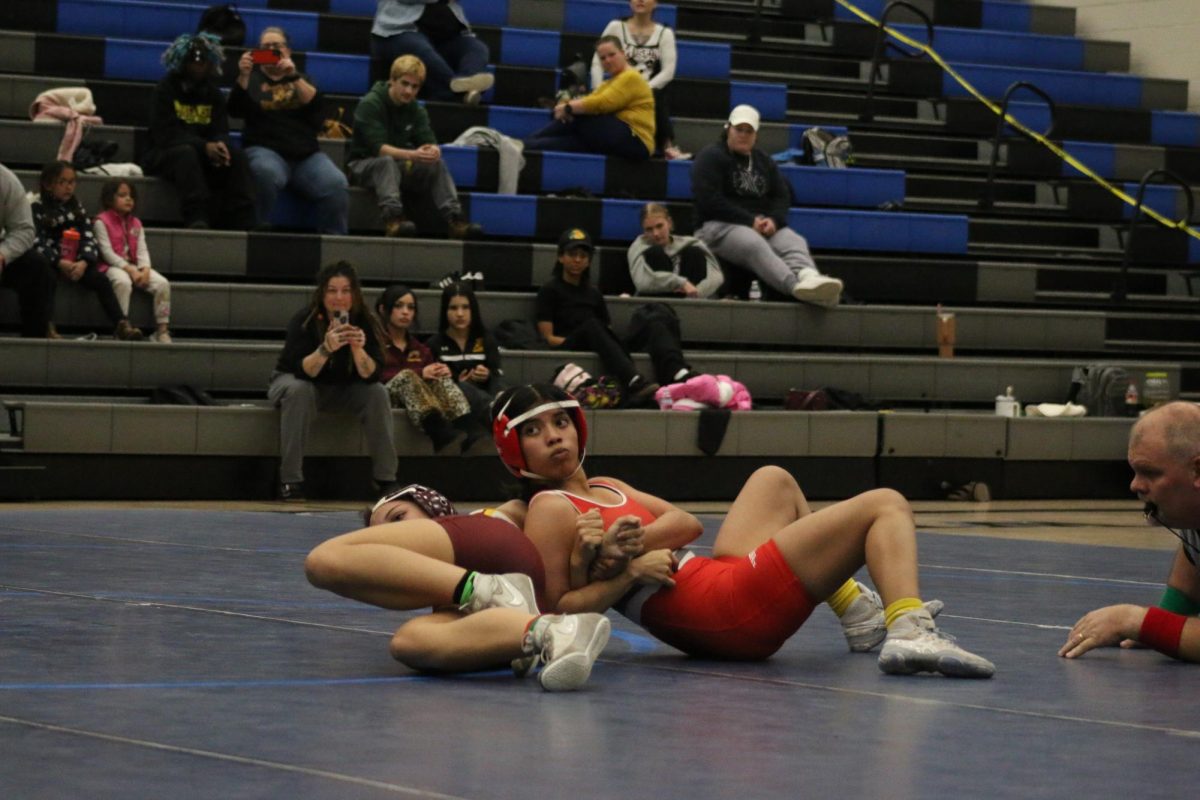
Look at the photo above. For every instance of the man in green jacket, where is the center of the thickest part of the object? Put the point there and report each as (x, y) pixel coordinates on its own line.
(394, 149)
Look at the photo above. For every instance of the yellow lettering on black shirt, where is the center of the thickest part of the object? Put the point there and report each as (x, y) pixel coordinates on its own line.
(194, 114)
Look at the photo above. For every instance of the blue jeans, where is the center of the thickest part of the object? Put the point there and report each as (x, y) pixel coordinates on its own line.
(462, 55)
(598, 133)
(316, 178)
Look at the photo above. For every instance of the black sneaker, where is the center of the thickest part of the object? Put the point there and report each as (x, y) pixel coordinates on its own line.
(640, 394)
(291, 492)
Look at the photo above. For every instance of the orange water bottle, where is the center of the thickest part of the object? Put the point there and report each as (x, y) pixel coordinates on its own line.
(69, 245)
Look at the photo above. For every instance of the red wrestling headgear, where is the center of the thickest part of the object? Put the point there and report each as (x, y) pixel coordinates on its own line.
(508, 438)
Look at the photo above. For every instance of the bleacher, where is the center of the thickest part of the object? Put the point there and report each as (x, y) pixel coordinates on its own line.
(1030, 277)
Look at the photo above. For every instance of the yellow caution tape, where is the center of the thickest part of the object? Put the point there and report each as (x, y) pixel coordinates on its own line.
(1016, 123)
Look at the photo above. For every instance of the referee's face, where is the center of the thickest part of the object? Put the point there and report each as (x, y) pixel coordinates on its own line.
(1163, 478)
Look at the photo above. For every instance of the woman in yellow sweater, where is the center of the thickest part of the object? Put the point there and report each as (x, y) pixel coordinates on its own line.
(615, 119)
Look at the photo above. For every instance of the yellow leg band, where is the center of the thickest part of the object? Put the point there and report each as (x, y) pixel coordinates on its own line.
(899, 608)
(840, 600)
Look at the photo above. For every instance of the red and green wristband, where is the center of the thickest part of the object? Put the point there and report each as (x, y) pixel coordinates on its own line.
(1175, 600)
(1162, 630)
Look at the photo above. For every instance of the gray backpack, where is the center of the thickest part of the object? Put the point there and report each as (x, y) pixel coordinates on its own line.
(822, 148)
(1100, 388)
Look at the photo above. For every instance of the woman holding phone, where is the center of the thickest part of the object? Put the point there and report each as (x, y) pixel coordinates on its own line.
(331, 361)
(284, 112)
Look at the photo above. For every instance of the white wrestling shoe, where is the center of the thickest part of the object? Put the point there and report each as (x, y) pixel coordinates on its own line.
(914, 644)
(818, 289)
(863, 624)
(511, 590)
(571, 645)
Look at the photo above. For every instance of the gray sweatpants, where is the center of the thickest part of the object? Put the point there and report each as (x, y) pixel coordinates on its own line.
(387, 177)
(299, 401)
(779, 261)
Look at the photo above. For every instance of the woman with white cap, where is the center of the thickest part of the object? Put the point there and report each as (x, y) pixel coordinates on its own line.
(742, 205)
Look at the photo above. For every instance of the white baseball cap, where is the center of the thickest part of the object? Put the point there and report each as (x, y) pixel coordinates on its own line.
(744, 115)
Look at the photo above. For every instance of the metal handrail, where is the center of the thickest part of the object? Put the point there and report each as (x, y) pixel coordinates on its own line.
(868, 114)
(988, 198)
(1120, 291)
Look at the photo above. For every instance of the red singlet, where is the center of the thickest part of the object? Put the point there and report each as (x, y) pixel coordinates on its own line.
(732, 607)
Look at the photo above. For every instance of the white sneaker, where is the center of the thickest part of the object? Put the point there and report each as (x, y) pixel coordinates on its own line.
(511, 590)
(479, 82)
(863, 623)
(162, 337)
(914, 644)
(572, 643)
(818, 289)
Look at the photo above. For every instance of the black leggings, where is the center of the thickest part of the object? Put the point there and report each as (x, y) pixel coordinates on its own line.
(96, 281)
(29, 276)
(220, 196)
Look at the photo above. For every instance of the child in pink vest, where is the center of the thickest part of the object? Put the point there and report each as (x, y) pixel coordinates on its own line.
(122, 241)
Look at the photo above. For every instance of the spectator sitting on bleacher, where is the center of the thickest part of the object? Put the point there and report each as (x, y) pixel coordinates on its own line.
(394, 149)
(616, 118)
(189, 138)
(284, 111)
(414, 381)
(663, 263)
(331, 361)
(66, 240)
(571, 315)
(122, 242)
(742, 205)
(650, 49)
(22, 268)
(464, 344)
(437, 32)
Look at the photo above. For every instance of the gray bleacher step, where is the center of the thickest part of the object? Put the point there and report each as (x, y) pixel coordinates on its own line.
(1168, 302)
(9, 441)
(955, 205)
(798, 79)
(931, 163)
(1148, 346)
(1042, 251)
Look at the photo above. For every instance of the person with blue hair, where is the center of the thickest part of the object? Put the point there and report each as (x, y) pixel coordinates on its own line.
(189, 138)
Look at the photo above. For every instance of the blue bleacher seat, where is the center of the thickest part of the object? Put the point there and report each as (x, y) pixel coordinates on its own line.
(1099, 157)
(999, 47)
(1081, 88)
(1175, 128)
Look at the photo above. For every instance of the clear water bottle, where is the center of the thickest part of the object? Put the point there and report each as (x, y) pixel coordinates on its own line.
(755, 293)
(1156, 389)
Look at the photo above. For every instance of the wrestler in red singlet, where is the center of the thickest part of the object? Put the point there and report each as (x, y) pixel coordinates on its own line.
(732, 607)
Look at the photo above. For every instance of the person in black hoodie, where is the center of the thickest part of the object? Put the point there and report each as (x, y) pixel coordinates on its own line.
(742, 205)
(189, 138)
(284, 112)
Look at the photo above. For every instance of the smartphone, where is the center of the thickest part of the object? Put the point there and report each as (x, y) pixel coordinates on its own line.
(265, 56)
(341, 317)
